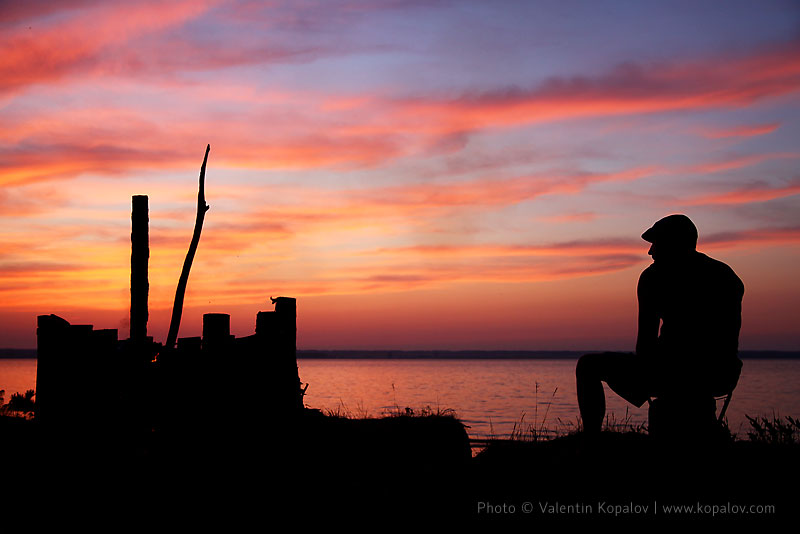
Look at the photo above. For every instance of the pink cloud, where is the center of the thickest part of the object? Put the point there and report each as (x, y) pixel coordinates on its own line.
(726, 81)
(757, 192)
(325, 131)
(736, 162)
(21, 12)
(46, 51)
(748, 130)
(488, 192)
(584, 216)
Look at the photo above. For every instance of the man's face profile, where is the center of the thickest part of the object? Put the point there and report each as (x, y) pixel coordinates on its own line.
(668, 253)
(653, 252)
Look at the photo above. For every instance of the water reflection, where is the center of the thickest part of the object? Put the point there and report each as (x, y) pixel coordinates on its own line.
(501, 396)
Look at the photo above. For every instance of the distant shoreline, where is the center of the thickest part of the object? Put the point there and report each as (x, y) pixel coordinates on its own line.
(497, 354)
(449, 354)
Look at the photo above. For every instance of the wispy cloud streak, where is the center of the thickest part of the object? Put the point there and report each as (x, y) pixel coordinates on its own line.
(756, 192)
(750, 130)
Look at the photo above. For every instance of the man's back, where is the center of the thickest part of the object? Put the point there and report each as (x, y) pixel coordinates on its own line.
(699, 302)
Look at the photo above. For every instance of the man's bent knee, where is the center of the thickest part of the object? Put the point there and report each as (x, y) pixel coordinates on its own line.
(588, 365)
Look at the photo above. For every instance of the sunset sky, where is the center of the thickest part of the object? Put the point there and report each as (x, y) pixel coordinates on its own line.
(418, 174)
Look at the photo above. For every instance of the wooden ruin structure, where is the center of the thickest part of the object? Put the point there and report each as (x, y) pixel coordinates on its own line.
(89, 382)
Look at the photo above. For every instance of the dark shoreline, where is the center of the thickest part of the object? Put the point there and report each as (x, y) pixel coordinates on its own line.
(496, 354)
(450, 354)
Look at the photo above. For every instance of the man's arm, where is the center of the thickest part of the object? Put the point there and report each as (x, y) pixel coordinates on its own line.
(647, 337)
(733, 324)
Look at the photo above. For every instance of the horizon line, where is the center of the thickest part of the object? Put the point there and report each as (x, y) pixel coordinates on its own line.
(30, 353)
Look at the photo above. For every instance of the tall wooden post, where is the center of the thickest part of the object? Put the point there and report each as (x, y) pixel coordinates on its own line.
(140, 255)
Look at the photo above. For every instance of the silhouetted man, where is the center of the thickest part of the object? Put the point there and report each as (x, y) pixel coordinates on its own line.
(697, 303)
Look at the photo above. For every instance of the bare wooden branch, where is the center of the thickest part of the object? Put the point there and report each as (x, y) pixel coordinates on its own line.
(177, 307)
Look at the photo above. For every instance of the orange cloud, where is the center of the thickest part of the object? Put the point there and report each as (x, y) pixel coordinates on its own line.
(761, 236)
(607, 247)
(759, 192)
(16, 203)
(407, 274)
(531, 263)
(303, 210)
(38, 163)
(404, 278)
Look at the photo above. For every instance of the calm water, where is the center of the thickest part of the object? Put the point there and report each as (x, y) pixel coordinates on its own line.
(490, 396)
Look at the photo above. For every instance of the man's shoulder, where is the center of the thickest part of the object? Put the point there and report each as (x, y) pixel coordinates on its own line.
(710, 263)
(719, 269)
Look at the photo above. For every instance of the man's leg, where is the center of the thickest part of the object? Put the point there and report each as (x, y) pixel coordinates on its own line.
(620, 371)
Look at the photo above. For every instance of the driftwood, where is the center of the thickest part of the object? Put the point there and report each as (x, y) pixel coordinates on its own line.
(177, 307)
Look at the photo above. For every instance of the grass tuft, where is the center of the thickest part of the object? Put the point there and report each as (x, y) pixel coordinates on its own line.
(775, 431)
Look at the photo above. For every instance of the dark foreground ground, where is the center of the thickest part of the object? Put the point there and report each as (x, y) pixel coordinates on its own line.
(391, 470)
